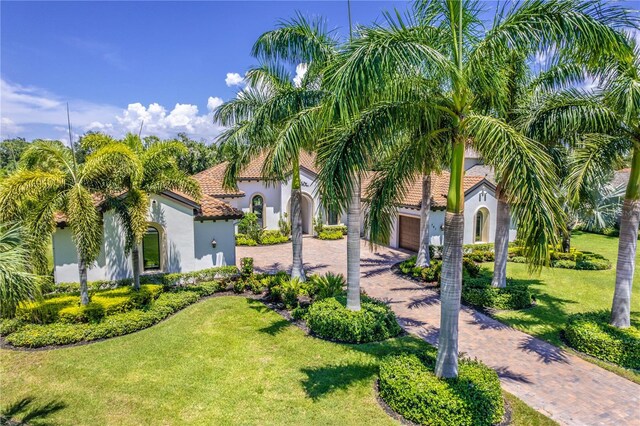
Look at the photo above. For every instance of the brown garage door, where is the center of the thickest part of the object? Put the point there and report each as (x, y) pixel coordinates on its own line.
(409, 233)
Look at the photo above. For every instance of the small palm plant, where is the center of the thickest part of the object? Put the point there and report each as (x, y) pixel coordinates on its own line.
(17, 282)
(50, 182)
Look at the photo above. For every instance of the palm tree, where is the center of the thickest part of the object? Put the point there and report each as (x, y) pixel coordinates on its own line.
(265, 117)
(160, 172)
(50, 182)
(604, 125)
(445, 46)
(17, 282)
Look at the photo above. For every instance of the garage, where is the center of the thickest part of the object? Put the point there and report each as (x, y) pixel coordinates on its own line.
(409, 235)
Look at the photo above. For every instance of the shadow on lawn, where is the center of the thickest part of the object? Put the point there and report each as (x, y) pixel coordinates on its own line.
(32, 414)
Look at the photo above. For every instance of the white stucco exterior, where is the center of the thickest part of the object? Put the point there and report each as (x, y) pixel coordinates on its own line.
(185, 243)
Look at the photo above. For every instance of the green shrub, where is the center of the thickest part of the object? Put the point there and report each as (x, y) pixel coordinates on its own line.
(433, 273)
(273, 237)
(410, 387)
(513, 296)
(191, 278)
(284, 224)
(239, 286)
(592, 334)
(318, 224)
(470, 268)
(9, 325)
(246, 267)
(564, 264)
(299, 313)
(330, 319)
(335, 228)
(328, 285)
(518, 259)
(611, 232)
(593, 264)
(256, 286)
(287, 292)
(92, 312)
(249, 226)
(330, 235)
(45, 311)
(208, 288)
(243, 240)
(37, 335)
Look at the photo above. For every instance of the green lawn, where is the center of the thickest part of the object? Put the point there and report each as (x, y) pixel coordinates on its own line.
(560, 292)
(226, 360)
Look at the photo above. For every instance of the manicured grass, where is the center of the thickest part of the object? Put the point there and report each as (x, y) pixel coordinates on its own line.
(561, 292)
(226, 360)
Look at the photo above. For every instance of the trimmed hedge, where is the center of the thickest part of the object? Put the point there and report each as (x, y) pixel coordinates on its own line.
(37, 335)
(410, 387)
(334, 228)
(243, 240)
(479, 292)
(265, 238)
(592, 334)
(330, 235)
(330, 319)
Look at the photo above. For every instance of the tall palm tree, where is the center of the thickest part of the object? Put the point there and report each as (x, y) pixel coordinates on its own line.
(266, 116)
(604, 125)
(160, 172)
(17, 281)
(446, 44)
(50, 181)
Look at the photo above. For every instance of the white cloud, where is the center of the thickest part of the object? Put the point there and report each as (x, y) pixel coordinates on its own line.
(35, 113)
(301, 70)
(234, 79)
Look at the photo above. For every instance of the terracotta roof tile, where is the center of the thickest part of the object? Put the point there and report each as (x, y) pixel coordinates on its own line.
(439, 189)
(211, 207)
(211, 182)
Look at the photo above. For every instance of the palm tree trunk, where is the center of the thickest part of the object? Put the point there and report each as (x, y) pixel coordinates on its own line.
(424, 258)
(353, 249)
(503, 220)
(627, 245)
(297, 270)
(135, 258)
(451, 288)
(84, 288)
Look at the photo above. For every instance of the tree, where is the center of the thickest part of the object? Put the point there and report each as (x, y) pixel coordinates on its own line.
(197, 156)
(454, 64)
(17, 282)
(604, 127)
(50, 182)
(160, 172)
(10, 152)
(264, 118)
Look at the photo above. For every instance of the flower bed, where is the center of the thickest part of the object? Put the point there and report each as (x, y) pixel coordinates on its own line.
(409, 386)
(60, 320)
(592, 334)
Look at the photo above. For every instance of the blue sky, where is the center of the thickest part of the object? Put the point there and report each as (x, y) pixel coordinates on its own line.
(118, 63)
(105, 58)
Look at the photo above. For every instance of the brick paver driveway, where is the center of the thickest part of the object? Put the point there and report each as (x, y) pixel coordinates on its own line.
(564, 387)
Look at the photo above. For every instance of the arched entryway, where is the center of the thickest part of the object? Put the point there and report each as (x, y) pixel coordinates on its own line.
(481, 226)
(306, 208)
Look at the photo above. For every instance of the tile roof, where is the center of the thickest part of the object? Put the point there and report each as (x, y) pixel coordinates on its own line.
(211, 207)
(212, 178)
(439, 189)
(211, 182)
(482, 170)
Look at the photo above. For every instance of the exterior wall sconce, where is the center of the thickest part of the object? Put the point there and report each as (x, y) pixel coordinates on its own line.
(214, 243)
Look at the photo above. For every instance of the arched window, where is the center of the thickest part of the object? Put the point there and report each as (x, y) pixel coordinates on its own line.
(151, 250)
(257, 207)
(481, 228)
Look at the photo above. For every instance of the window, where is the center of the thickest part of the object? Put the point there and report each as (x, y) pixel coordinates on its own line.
(257, 207)
(151, 249)
(481, 228)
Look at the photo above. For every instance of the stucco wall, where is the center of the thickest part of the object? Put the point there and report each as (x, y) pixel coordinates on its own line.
(181, 251)
(223, 232)
(271, 196)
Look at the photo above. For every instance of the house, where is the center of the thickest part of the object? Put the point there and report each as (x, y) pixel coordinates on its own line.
(267, 199)
(479, 211)
(182, 236)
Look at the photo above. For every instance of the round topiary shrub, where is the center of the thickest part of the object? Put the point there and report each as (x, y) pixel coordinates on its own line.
(330, 319)
(409, 386)
(592, 334)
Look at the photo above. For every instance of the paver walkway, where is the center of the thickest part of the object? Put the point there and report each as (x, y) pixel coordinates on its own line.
(562, 386)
